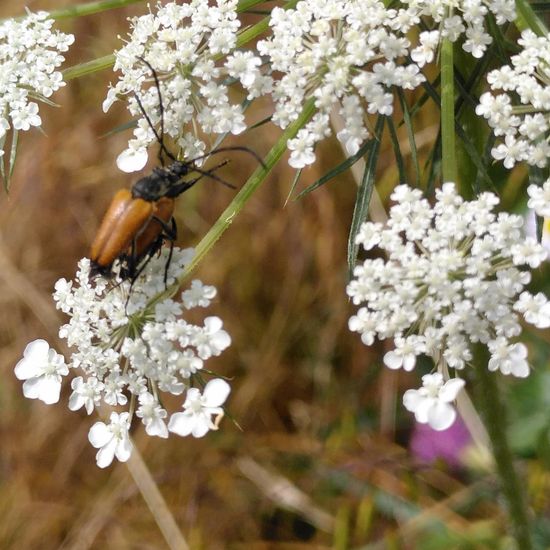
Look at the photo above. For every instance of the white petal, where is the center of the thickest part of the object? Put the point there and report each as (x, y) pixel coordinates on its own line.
(392, 360)
(50, 389)
(45, 388)
(213, 324)
(31, 388)
(221, 340)
(157, 427)
(216, 392)
(409, 361)
(411, 399)
(34, 358)
(520, 369)
(76, 401)
(99, 435)
(181, 424)
(131, 160)
(105, 455)
(27, 369)
(423, 409)
(441, 416)
(202, 425)
(450, 389)
(124, 449)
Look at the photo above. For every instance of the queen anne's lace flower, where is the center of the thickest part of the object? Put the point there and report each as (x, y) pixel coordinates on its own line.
(455, 20)
(431, 404)
(343, 53)
(129, 348)
(30, 52)
(42, 369)
(539, 199)
(523, 126)
(188, 45)
(452, 278)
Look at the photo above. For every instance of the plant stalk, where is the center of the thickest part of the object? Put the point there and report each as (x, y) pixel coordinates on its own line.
(247, 190)
(494, 413)
(449, 170)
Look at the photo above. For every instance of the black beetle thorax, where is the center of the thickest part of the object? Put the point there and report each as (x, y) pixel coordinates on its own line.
(157, 185)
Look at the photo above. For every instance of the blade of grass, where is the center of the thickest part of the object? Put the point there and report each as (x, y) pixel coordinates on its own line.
(410, 133)
(293, 186)
(83, 69)
(350, 161)
(246, 191)
(397, 151)
(364, 194)
(527, 18)
(90, 8)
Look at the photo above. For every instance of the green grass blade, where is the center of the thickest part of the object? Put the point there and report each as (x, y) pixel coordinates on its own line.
(397, 151)
(350, 161)
(364, 194)
(410, 133)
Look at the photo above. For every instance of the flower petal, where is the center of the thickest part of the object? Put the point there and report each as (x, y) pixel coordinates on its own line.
(450, 389)
(99, 435)
(131, 160)
(105, 455)
(123, 449)
(181, 423)
(441, 416)
(216, 392)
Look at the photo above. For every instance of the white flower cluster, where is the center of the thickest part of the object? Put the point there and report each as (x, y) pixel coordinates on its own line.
(522, 125)
(29, 55)
(183, 42)
(130, 346)
(457, 19)
(539, 199)
(451, 279)
(343, 53)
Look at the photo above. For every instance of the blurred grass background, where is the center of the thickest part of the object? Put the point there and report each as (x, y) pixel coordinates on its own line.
(321, 461)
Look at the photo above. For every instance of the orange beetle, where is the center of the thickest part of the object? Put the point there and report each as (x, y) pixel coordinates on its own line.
(137, 221)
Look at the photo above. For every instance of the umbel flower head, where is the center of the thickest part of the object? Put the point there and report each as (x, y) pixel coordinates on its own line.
(30, 52)
(454, 276)
(130, 347)
(188, 45)
(346, 55)
(518, 110)
(454, 20)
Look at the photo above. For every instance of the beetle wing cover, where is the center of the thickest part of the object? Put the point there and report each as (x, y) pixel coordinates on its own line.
(122, 222)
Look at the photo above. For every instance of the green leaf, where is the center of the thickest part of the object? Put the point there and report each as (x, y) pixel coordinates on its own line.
(90, 8)
(6, 176)
(293, 186)
(350, 161)
(397, 151)
(364, 194)
(259, 123)
(538, 176)
(434, 160)
(410, 132)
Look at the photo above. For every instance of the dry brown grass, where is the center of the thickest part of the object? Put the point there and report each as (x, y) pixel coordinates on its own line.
(310, 462)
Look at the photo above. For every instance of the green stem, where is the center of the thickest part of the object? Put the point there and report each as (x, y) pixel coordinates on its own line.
(90, 8)
(449, 170)
(89, 67)
(494, 414)
(527, 18)
(99, 6)
(255, 180)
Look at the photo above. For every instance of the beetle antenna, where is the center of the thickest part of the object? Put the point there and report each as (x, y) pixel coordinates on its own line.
(210, 174)
(160, 137)
(232, 148)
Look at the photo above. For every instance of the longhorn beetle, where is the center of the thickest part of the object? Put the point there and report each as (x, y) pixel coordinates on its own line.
(139, 220)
